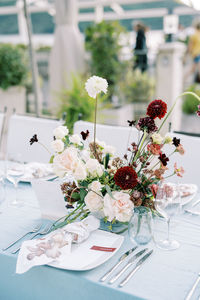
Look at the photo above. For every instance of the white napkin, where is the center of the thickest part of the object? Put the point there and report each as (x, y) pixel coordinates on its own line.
(37, 170)
(56, 246)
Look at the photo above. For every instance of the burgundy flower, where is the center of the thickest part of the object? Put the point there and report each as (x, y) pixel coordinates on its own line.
(198, 111)
(85, 134)
(163, 158)
(157, 109)
(176, 142)
(34, 139)
(126, 178)
(147, 124)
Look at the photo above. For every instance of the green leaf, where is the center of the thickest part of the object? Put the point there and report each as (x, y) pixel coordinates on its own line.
(51, 159)
(107, 158)
(75, 196)
(83, 193)
(109, 191)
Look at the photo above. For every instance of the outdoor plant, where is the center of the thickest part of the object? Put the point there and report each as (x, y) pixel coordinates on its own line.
(190, 103)
(13, 66)
(138, 86)
(102, 42)
(74, 102)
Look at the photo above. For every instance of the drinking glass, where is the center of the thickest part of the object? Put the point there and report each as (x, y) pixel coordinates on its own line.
(15, 171)
(167, 203)
(140, 226)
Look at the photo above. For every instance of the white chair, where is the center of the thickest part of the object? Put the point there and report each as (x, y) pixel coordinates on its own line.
(189, 161)
(116, 136)
(22, 128)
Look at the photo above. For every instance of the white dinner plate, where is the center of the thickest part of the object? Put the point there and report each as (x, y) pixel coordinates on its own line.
(29, 179)
(83, 258)
(186, 187)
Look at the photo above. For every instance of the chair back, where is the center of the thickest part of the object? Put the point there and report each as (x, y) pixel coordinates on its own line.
(189, 161)
(22, 128)
(116, 136)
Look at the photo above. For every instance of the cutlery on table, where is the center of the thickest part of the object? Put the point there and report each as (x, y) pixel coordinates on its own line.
(130, 263)
(36, 229)
(121, 259)
(138, 265)
(189, 295)
(46, 230)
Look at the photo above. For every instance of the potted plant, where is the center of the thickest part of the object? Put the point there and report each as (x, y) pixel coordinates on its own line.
(13, 72)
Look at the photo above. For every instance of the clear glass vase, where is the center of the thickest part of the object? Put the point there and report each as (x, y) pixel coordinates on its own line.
(140, 227)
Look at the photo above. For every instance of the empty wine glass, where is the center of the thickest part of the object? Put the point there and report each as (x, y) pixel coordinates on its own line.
(167, 203)
(15, 171)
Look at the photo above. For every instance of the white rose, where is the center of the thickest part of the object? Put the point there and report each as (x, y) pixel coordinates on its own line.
(108, 207)
(157, 138)
(93, 167)
(75, 139)
(80, 171)
(95, 85)
(60, 132)
(95, 186)
(57, 145)
(123, 206)
(119, 208)
(65, 162)
(109, 149)
(85, 155)
(93, 201)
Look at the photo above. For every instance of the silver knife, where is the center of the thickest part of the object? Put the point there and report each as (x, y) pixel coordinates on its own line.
(196, 202)
(121, 259)
(130, 262)
(138, 265)
(189, 295)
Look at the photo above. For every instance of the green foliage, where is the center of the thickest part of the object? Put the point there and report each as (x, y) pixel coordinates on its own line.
(137, 86)
(76, 101)
(190, 103)
(13, 66)
(102, 41)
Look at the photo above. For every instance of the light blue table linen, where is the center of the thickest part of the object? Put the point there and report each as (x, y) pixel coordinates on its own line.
(165, 276)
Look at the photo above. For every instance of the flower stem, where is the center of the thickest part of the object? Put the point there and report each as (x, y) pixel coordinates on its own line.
(141, 144)
(95, 125)
(181, 95)
(45, 148)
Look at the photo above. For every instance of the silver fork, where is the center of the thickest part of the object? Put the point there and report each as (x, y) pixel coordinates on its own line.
(37, 228)
(46, 230)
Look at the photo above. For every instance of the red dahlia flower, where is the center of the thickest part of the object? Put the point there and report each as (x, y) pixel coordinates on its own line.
(126, 178)
(157, 109)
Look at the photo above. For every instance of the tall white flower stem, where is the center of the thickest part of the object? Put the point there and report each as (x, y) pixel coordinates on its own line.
(170, 111)
(95, 124)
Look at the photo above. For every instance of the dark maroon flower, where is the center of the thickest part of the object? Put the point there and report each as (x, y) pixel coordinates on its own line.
(176, 142)
(85, 134)
(157, 109)
(34, 139)
(147, 124)
(126, 178)
(131, 123)
(198, 111)
(163, 158)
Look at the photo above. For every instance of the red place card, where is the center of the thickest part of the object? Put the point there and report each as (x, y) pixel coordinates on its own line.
(106, 249)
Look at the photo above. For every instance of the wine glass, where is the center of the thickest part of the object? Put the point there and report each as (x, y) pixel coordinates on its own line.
(15, 171)
(167, 203)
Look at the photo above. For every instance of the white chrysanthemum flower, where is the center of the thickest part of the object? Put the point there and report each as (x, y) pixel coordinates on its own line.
(75, 139)
(95, 84)
(60, 132)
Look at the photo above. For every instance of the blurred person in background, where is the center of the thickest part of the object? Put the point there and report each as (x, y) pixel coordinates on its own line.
(194, 51)
(140, 50)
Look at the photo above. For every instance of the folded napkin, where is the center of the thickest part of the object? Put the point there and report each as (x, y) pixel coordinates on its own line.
(37, 170)
(56, 246)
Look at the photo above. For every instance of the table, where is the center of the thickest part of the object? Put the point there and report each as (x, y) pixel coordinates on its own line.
(165, 276)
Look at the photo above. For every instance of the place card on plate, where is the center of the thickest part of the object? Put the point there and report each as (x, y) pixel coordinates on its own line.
(50, 198)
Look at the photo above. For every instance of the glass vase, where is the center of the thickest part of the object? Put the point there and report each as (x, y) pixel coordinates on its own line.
(140, 226)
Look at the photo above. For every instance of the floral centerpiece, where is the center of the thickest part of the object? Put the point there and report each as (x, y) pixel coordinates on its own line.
(102, 183)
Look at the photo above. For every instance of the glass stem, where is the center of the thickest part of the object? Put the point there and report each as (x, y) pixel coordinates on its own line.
(168, 228)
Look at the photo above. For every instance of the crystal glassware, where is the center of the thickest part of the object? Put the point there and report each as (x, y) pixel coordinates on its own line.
(14, 172)
(140, 226)
(167, 203)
